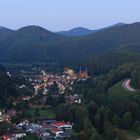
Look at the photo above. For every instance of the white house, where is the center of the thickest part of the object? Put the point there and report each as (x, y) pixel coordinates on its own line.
(18, 133)
(1, 117)
(61, 125)
(56, 131)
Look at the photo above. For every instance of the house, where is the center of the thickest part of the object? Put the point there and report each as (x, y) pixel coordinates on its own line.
(70, 72)
(47, 127)
(18, 133)
(26, 98)
(66, 134)
(43, 133)
(22, 124)
(8, 137)
(57, 132)
(61, 88)
(1, 117)
(75, 99)
(9, 114)
(62, 125)
(33, 127)
(45, 91)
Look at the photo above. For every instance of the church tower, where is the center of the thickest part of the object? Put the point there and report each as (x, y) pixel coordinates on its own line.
(83, 73)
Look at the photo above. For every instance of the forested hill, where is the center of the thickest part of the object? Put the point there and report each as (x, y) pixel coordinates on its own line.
(9, 88)
(35, 44)
(80, 31)
(5, 32)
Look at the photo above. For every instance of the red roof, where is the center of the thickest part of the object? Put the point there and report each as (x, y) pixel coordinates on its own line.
(6, 137)
(59, 124)
(56, 130)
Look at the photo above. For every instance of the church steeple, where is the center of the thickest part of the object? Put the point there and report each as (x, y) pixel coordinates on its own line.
(83, 73)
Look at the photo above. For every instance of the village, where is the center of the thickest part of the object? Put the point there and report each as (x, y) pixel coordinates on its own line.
(44, 128)
(63, 81)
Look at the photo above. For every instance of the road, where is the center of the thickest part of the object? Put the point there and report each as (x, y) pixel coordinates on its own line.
(126, 85)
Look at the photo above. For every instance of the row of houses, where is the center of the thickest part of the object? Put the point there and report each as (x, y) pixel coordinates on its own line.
(43, 129)
(14, 134)
(65, 80)
(47, 128)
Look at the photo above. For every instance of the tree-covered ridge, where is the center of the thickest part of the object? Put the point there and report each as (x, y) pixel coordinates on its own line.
(33, 43)
(107, 109)
(135, 78)
(9, 88)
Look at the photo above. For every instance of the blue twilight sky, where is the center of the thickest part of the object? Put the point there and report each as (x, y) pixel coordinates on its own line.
(58, 15)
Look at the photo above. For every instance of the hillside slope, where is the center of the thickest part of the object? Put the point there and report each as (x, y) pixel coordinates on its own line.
(34, 43)
(5, 32)
(79, 31)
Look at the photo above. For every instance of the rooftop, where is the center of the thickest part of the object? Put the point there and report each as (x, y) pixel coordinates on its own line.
(56, 130)
(59, 123)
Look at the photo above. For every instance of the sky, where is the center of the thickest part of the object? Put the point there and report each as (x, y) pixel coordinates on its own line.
(57, 15)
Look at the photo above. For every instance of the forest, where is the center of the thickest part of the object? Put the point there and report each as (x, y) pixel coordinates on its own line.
(108, 111)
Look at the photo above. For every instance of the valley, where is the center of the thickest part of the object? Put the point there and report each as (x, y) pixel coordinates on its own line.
(70, 87)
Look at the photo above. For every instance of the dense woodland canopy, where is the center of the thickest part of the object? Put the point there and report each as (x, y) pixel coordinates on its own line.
(9, 90)
(106, 110)
(111, 56)
(135, 76)
(33, 44)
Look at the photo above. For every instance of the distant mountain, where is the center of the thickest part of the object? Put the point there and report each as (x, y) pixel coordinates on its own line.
(36, 35)
(112, 26)
(1, 28)
(30, 36)
(28, 43)
(4, 29)
(80, 31)
(33, 44)
(32, 33)
(118, 24)
(4, 32)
